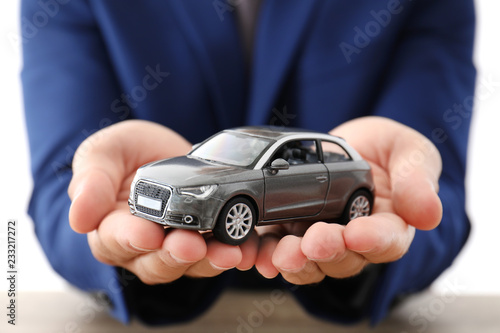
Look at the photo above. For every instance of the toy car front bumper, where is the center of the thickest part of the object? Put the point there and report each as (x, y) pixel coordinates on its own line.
(184, 212)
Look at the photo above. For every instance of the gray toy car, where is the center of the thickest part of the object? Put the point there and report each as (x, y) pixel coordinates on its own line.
(250, 176)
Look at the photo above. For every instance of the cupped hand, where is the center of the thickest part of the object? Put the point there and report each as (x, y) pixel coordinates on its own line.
(406, 167)
(103, 168)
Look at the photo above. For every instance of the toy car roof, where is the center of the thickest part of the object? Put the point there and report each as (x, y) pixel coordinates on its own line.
(276, 132)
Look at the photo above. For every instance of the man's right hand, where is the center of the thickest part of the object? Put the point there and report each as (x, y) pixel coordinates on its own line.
(103, 168)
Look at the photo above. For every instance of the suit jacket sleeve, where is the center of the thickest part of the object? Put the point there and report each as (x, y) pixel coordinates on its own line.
(69, 87)
(429, 87)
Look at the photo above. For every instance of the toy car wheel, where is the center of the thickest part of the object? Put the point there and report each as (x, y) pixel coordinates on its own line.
(235, 222)
(360, 204)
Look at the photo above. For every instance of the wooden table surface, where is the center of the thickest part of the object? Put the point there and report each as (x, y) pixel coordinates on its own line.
(73, 312)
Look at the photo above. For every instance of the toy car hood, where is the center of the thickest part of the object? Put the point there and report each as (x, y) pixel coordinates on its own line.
(191, 171)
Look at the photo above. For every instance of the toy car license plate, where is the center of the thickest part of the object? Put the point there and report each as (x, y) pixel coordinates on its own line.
(149, 202)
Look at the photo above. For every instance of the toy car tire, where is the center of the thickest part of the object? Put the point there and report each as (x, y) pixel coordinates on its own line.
(235, 222)
(359, 204)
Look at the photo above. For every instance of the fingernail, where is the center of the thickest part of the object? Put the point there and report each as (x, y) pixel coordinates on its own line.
(139, 249)
(78, 191)
(331, 258)
(217, 267)
(179, 260)
(293, 270)
(433, 185)
(364, 251)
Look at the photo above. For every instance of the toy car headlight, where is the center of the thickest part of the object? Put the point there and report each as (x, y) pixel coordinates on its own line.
(199, 192)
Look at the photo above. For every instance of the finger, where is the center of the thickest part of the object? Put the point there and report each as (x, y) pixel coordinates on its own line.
(220, 257)
(109, 156)
(264, 261)
(379, 238)
(122, 237)
(324, 244)
(249, 250)
(185, 246)
(293, 264)
(181, 249)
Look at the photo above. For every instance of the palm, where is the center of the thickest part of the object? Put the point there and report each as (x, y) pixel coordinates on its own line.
(405, 200)
(100, 188)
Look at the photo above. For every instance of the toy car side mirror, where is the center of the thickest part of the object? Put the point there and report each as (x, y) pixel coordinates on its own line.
(279, 164)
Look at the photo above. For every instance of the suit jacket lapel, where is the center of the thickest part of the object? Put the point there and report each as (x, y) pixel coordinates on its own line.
(216, 43)
(281, 28)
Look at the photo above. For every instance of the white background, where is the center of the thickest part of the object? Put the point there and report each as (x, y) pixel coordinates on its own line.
(475, 270)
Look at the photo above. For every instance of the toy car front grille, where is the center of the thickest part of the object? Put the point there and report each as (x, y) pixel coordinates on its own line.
(155, 192)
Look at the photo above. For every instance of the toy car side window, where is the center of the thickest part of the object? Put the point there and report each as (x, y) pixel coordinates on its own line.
(333, 152)
(298, 152)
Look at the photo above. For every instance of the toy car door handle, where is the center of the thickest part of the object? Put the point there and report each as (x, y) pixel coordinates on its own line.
(322, 179)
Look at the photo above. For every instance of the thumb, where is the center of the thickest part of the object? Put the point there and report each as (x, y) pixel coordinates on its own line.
(104, 163)
(415, 167)
(93, 197)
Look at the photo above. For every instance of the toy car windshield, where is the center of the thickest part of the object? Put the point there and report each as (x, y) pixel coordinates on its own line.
(232, 148)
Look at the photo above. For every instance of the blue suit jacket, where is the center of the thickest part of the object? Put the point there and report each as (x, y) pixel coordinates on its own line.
(316, 64)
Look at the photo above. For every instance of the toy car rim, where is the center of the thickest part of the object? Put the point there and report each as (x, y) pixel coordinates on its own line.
(236, 221)
(239, 220)
(360, 206)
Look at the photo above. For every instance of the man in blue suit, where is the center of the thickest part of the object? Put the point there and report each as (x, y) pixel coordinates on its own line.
(394, 77)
